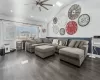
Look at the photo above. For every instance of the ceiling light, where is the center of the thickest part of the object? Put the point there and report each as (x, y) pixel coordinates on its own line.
(11, 11)
(24, 62)
(53, 5)
(32, 16)
(59, 4)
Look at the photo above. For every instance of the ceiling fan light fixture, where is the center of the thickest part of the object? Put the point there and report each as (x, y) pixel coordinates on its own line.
(59, 3)
(41, 3)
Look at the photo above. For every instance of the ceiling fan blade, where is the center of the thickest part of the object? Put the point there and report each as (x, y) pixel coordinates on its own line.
(44, 1)
(40, 8)
(48, 4)
(44, 7)
(29, 3)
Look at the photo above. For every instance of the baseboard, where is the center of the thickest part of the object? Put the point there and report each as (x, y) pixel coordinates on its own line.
(96, 56)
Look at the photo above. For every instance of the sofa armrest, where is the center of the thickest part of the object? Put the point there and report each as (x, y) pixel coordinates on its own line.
(85, 48)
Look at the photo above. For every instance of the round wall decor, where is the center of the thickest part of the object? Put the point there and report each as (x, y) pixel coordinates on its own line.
(55, 20)
(43, 30)
(71, 27)
(62, 31)
(55, 29)
(84, 20)
(74, 11)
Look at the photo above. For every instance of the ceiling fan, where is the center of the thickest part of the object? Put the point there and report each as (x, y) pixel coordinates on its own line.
(41, 3)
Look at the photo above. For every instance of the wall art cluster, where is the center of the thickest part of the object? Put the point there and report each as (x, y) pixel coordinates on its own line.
(75, 19)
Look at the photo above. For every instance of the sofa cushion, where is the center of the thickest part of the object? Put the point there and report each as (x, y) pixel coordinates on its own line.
(34, 45)
(55, 41)
(60, 47)
(86, 42)
(31, 41)
(66, 43)
(72, 43)
(81, 44)
(50, 39)
(60, 43)
(72, 52)
(38, 40)
(45, 43)
(44, 48)
(46, 40)
(77, 44)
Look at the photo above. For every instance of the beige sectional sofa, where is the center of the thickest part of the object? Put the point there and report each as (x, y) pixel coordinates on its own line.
(72, 51)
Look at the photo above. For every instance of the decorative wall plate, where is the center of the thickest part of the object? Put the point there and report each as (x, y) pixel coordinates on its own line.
(62, 31)
(74, 11)
(55, 20)
(43, 30)
(71, 27)
(55, 29)
(84, 20)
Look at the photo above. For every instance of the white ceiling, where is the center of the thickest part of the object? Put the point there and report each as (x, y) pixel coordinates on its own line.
(26, 12)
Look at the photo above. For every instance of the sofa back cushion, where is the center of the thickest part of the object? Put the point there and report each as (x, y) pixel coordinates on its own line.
(83, 42)
(66, 42)
(55, 41)
(39, 40)
(46, 40)
(31, 41)
(72, 43)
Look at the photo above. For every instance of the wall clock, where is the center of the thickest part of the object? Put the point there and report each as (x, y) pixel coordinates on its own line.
(84, 20)
(55, 20)
(74, 11)
(55, 29)
(62, 31)
(71, 27)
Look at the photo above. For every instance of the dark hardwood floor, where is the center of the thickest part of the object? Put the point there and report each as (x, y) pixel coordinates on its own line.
(12, 68)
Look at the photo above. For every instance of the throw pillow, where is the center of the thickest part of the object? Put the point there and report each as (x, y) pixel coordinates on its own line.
(38, 40)
(81, 44)
(60, 43)
(46, 40)
(72, 43)
(66, 43)
(86, 42)
(77, 44)
(55, 41)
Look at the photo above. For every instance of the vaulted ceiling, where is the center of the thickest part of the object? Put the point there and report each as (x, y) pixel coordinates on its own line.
(17, 9)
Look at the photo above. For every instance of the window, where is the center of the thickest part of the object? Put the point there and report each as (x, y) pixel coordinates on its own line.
(27, 32)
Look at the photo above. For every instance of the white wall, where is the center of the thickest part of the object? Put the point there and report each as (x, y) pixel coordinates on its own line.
(91, 7)
(3, 41)
(2, 28)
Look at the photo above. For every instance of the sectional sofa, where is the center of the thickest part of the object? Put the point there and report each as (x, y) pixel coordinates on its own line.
(72, 51)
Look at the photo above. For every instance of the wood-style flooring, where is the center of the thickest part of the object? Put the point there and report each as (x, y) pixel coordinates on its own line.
(14, 66)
